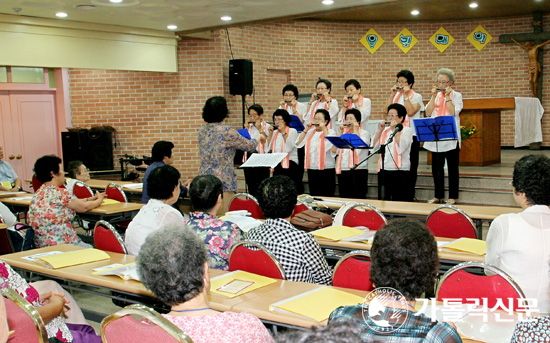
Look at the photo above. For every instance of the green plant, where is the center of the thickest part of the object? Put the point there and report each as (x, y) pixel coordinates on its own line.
(468, 130)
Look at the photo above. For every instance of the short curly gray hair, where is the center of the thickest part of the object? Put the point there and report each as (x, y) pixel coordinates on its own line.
(171, 264)
(446, 71)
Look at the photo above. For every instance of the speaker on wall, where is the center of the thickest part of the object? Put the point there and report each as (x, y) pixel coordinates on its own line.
(93, 147)
(240, 77)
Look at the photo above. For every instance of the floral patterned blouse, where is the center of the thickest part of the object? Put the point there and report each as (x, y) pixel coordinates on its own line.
(50, 217)
(217, 146)
(9, 278)
(219, 237)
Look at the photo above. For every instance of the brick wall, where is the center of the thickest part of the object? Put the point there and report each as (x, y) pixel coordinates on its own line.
(145, 107)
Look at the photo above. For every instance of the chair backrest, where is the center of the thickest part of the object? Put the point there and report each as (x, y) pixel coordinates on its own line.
(122, 327)
(451, 222)
(82, 190)
(499, 288)
(353, 271)
(35, 183)
(301, 206)
(361, 214)
(115, 192)
(5, 243)
(107, 238)
(24, 319)
(245, 201)
(255, 258)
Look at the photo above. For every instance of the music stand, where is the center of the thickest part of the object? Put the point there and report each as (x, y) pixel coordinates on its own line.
(244, 133)
(296, 123)
(348, 141)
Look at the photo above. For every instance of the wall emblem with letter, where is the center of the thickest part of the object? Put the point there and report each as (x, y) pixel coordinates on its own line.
(441, 39)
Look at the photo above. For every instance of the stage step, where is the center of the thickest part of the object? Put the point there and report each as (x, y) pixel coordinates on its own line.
(474, 189)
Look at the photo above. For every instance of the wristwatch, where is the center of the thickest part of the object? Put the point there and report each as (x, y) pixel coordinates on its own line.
(405, 99)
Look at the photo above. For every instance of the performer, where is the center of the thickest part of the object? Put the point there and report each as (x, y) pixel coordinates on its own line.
(217, 146)
(445, 101)
(402, 93)
(318, 157)
(290, 102)
(352, 183)
(354, 99)
(395, 174)
(321, 99)
(281, 139)
(256, 125)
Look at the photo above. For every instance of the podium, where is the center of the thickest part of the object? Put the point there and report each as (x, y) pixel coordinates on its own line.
(482, 148)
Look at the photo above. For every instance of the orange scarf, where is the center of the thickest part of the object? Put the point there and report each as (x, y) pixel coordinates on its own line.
(383, 138)
(407, 121)
(294, 109)
(353, 158)
(350, 102)
(285, 163)
(320, 151)
(440, 106)
(261, 145)
(314, 108)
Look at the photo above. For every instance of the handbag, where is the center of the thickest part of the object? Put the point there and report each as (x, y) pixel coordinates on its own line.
(310, 220)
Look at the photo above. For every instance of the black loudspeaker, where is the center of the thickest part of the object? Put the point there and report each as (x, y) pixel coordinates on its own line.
(94, 148)
(240, 77)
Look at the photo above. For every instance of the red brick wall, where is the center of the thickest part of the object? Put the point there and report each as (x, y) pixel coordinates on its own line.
(145, 107)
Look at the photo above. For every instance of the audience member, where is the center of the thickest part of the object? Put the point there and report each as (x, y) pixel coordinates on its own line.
(9, 181)
(219, 237)
(172, 263)
(52, 209)
(298, 251)
(404, 258)
(164, 191)
(340, 332)
(518, 243)
(77, 172)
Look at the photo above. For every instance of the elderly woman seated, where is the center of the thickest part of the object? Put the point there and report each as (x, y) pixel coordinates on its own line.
(219, 237)
(52, 209)
(77, 172)
(172, 263)
(163, 187)
(404, 265)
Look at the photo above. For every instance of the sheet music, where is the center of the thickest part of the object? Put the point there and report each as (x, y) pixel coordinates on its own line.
(264, 160)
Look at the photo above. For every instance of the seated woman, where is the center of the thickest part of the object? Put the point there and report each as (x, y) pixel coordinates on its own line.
(53, 208)
(319, 161)
(63, 323)
(164, 190)
(518, 243)
(393, 174)
(172, 263)
(404, 265)
(77, 172)
(206, 193)
(352, 183)
(281, 139)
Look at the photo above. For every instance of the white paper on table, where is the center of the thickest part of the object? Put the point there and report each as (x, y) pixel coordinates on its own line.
(264, 160)
(133, 186)
(32, 257)
(243, 222)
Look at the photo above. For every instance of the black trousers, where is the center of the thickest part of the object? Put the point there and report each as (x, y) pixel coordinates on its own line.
(415, 150)
(438, 172)
(294, 172)
(353, 184)
(321, 182)
(396, 185)
(254, 176)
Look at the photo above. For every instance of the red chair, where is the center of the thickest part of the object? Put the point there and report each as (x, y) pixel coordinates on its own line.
(82, 190)
(457, 283)
(451, 222)
(353, 271)
(249, 203)
(301, 206)
(23, 319)
(115, 192)
(107, 238)
(255, 258)
(35, 183)
(360, 214)
(122, 327)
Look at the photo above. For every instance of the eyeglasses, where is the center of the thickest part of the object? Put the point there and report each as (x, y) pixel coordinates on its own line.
(401, 82)
(321, 88)
(392, 116)
(443, 82)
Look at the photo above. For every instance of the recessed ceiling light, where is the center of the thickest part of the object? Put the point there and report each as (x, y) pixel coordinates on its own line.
(115, 1)
(327, 2)
(85, 7)
(226, 18)
(61, 14)
(473, 5)
(172, 27)
(415, 12)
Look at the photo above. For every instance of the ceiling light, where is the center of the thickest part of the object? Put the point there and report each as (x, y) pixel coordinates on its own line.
(328, 2)
(61, 14)
(172, 27)
(226, 18)
(415, 12)
(115, 1)
(473, 5)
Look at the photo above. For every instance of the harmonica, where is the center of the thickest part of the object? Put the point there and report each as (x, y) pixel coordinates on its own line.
(400, 88)
(319, 96)
(315, 124)
(441, 89)
(350, 97)
(275, 126)
(388, 123)
(347, 125)
(252, 122)
(288, 101)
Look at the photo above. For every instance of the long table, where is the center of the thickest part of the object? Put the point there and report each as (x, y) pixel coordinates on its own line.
(478, 213)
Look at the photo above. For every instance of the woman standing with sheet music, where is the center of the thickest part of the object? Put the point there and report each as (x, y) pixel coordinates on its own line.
(281, 139)
(352, 183)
